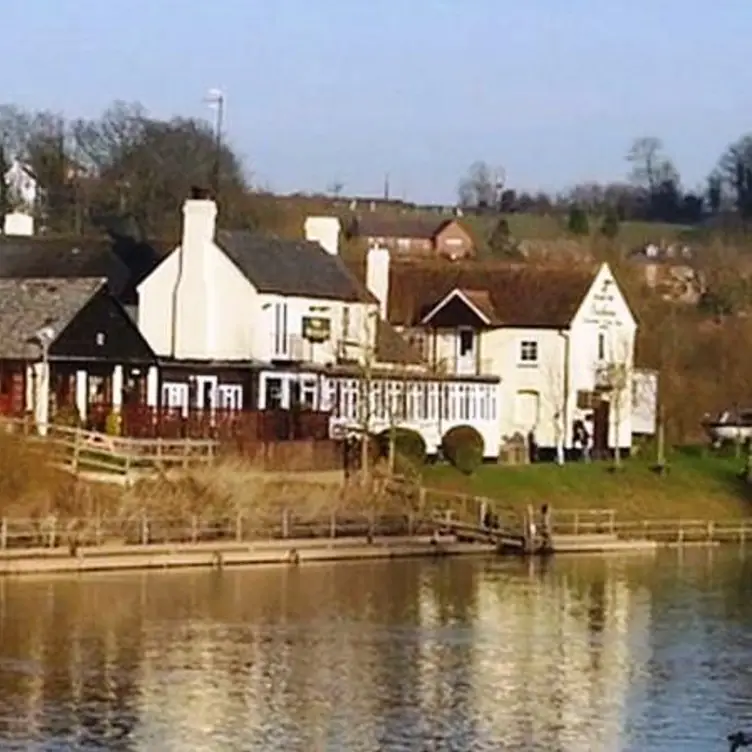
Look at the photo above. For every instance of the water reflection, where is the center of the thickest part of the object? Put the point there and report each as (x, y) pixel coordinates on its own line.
(585, 654)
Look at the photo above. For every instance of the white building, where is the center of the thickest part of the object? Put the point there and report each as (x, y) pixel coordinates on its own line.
(23, 186)
(561, 340)
(241, 320)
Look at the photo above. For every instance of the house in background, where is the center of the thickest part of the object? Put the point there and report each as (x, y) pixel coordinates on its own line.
(415, 236)
(23, 186)
(68, 343)
(556, 338)
(242, 321)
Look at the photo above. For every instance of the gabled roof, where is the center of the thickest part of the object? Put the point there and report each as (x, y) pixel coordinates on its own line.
(519, 295)
(291, 267)
(29, 306)
(399, 226)
(478, 301)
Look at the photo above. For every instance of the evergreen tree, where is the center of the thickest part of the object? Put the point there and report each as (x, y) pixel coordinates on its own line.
(610, 224)
(578, 223)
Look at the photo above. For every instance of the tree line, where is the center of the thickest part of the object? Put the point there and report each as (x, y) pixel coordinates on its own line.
(653, 190)
(125, 165)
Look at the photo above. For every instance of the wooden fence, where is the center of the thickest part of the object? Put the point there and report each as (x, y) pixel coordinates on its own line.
(83, 451)
(46, 533)
(236, 427)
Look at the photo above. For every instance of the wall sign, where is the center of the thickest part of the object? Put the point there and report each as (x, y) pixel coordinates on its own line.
(316, 328)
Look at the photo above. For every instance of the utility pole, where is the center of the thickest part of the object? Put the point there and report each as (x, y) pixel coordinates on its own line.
(216, 100)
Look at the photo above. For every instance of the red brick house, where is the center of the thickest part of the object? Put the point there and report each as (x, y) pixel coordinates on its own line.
(409, 235)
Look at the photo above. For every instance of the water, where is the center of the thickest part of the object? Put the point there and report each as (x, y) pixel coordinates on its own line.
(593, 654)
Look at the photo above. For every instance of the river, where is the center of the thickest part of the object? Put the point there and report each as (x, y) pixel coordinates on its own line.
(639, 653)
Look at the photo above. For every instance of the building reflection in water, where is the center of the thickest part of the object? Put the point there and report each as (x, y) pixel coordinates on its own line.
(438, 655)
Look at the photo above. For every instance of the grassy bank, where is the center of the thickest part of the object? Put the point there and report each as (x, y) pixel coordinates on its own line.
(699, 485)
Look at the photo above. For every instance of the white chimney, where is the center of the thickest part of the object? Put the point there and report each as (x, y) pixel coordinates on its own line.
(324, 231)
(377, 276)
(194, 299)
(199, 221)
(18, 223)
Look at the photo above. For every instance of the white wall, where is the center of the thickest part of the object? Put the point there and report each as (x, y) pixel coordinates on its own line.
(523, 383)
(605, 312)
(198, 305)
(216, 315)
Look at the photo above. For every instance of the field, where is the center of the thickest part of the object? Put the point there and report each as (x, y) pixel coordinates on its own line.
(698, 485)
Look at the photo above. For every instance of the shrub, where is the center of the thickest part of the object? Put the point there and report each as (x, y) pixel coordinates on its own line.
(67, 415)
(463, 447)
(407, 443)
(113, 424)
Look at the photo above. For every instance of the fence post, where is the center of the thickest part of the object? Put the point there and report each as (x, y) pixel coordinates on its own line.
(52, 531)
(333, 525)
(710, 531)
(576, 523)
(285, 523)
(144, 530)
(612, 522)
(239, 527)
(4, 534)
(76, 450)
(410, 523)
(194, 528)
(160, 463)
(98, 530)
(127, 468)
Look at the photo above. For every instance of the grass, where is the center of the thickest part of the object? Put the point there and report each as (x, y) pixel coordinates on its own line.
(699, 485)
(534, 227)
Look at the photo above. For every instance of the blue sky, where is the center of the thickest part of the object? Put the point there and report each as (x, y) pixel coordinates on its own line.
(325, 90)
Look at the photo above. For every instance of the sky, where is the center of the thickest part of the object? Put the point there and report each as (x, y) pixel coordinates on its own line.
(325, 91)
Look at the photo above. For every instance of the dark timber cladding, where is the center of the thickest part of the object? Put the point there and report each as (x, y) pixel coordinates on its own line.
(516, 294)
(102, 331)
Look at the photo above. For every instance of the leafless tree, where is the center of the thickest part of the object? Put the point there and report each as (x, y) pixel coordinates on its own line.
(482, 186)
(650, 166)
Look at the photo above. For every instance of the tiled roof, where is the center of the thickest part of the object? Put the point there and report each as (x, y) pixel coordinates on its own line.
(518, 295)
(28, 306)
(291, 267)
(393, 348)
(123, 261)
(398, 226)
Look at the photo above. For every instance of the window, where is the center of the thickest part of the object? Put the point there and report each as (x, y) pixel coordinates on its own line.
(403, 244)
(528, 352)
(467, 341)
(601, 346)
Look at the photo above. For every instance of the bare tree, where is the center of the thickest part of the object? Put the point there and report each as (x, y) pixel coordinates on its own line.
(615, 379)
(482, 187)
(650, 166)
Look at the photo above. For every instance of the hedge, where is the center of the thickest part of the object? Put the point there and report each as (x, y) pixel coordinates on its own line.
(407, 443)
(463, 447)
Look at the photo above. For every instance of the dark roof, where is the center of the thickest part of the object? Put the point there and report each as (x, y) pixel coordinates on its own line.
(124, 262)
(28, 306)
(480, 300)
(398, 226)
(518, 294)
(393, 348)
(291, 267)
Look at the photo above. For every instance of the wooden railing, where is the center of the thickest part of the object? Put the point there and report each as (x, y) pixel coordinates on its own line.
(41, 535)
(83, 451)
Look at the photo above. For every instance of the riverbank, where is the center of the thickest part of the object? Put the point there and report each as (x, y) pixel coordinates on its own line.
(217, 555)
(699, 485)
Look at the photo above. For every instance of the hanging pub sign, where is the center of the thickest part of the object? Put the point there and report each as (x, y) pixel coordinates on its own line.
(316, 328)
